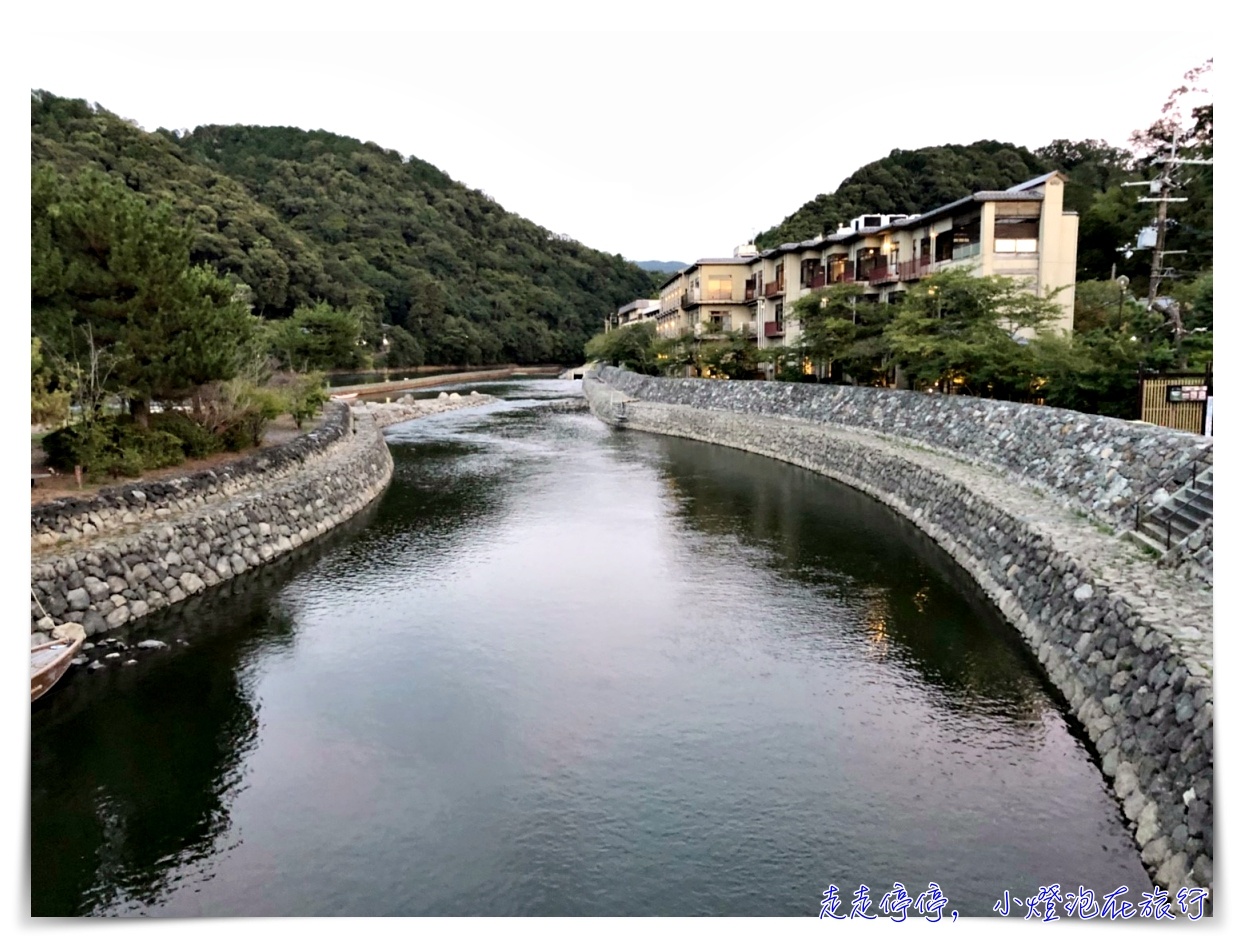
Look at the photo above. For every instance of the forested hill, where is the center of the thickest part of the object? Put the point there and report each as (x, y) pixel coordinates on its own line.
(299, 216)
(910, 182)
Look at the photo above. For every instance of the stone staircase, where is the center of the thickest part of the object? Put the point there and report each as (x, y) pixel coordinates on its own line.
(1180, 515)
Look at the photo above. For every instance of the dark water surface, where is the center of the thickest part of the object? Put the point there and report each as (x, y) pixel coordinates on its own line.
(558, 669)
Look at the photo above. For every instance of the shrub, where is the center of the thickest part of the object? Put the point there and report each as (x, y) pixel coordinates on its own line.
(196, 440)
(112, 446)
(307, 396)
(244, 413)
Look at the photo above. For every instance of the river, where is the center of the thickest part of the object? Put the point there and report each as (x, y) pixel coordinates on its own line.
(561, 669)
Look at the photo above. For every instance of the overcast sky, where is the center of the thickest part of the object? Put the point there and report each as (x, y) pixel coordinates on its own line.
(664, 145)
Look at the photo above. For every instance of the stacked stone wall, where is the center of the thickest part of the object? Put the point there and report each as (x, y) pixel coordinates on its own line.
(1128, 646)
(1101, 466)
(151, 545)
(113, 508)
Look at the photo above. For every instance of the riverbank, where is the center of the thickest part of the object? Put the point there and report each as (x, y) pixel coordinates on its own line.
(434, 381)
(386, 414)
(1129, 644)
(113, 558)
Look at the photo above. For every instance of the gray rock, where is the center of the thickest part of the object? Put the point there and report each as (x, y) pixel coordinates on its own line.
(152, 644)
(78, 599)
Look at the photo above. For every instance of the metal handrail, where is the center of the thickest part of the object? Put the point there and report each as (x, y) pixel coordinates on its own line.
(1196, 470)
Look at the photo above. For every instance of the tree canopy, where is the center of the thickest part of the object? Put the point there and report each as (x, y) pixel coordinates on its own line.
(111, 274)
(308, 217)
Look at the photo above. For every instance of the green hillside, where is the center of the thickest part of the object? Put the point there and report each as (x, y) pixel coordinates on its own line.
(301, 216)
(910, 182)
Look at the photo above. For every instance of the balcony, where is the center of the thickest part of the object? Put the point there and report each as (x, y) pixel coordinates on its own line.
(914, 269)
(720, 329)
(774, 330)
(694, 298)
(817, 280)
(843, 272)
(775, 288)
(966, 251)
(882, 273)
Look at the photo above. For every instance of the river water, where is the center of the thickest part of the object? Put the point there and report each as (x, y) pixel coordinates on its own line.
(560, 669)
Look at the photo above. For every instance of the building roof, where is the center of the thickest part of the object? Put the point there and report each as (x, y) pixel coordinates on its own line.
(638, 304)
(1034, 182)
(1019, 192)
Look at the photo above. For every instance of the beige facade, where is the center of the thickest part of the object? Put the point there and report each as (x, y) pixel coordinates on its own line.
(1023, 233)
(706, 300)
(639, 310)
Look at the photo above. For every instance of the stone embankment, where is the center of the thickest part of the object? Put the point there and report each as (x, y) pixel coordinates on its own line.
(408, 408)
(111, 559)
(1030, 502)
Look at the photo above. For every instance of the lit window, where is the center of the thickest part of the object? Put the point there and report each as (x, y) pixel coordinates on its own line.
(1007, 245)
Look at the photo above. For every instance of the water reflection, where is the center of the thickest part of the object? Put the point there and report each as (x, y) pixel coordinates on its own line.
(853, 554)
(134, 769)
(559, 669)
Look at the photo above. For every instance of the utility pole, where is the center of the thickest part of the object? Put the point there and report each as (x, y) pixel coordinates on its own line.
(1161, 188)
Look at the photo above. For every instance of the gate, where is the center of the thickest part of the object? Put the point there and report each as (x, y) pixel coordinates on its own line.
(1178, 401)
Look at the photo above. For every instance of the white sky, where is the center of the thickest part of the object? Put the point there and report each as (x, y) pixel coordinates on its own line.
(656, 145)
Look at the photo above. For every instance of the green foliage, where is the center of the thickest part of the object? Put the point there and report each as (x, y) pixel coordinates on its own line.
(959, 330)
(49, 399)
(843, 328)
(303, 395)
(910, 182)
(248, 408)
(403, 349)
(318, 338)
(633, 346)
(733, 357)
(113, 446)
(196, 440)
(110, 273)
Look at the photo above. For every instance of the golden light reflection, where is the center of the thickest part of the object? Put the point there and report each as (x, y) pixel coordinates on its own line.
(921, 597)
(878, 631)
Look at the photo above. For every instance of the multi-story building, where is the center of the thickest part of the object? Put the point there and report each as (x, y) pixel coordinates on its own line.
(1022, 232)
(638, 310)
(706, 299)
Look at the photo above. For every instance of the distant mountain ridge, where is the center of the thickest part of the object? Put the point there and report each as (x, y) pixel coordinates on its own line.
(660, 266)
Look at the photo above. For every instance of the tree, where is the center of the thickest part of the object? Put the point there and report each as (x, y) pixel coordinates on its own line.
(113, 275)
(735, 356)
(634, 346)
(842, 328)
(49, 398)
(319, 338)
(954, 329)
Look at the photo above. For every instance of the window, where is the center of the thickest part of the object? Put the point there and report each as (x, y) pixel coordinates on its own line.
(1014, 246)
(720, 287)
(1016, 235)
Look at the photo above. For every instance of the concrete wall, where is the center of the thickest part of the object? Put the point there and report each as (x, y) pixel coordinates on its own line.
(1128, 644)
